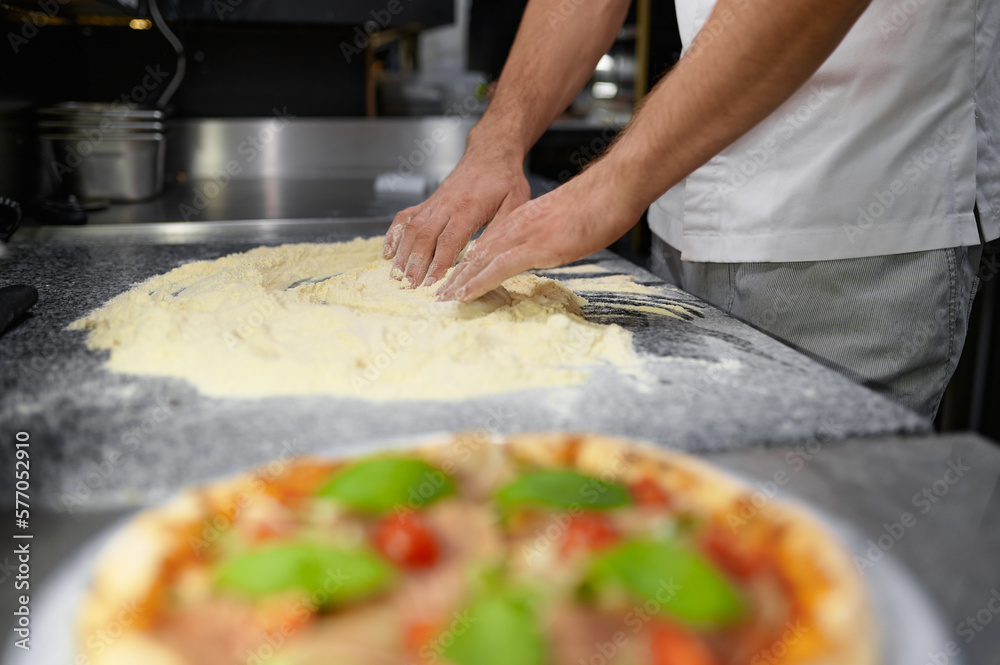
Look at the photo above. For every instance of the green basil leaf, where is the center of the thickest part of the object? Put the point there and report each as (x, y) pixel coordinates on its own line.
(330, 576)
(561, 489)
(682, 582)
(379, 485)
(496, 631)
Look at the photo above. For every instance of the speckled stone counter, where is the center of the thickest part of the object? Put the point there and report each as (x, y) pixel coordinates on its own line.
(101, 439)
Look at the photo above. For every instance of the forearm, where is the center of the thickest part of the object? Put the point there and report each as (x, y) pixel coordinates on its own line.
(747, 61)
(557, 46)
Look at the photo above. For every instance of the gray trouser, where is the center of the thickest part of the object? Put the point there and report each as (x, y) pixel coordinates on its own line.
(895, 323)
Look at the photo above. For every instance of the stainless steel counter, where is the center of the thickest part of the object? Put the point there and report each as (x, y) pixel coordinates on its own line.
(285, 167)
(203, 200)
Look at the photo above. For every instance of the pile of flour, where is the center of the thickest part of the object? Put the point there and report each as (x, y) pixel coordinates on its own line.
(309, 319)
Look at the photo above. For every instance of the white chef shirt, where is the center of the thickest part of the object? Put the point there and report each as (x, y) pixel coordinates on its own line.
(882, 151)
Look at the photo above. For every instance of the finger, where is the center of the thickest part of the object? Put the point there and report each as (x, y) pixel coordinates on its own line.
(444, 293)
(424, 248)
(505, 265)
(407, 239)
(396, 230)
(455, 237)
(451, 242)
(479, 255)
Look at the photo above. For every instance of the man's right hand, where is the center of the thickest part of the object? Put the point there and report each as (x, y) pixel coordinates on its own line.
(426, 239)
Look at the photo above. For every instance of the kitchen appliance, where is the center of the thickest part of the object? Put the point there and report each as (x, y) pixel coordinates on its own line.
(104, 151)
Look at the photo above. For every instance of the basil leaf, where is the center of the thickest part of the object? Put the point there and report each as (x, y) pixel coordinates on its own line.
(496, 631)
(379, 485)
(562, 489)
(330, 576)
(682, 582)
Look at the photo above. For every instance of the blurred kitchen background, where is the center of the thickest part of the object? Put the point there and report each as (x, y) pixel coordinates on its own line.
(166, 111)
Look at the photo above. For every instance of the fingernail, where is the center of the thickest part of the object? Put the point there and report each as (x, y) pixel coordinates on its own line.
(429, 280)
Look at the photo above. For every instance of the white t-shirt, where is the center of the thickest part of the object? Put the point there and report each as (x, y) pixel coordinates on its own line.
(883, 151)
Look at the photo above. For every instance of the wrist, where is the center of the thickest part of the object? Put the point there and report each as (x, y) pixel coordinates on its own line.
(497, 140)
(620, 188)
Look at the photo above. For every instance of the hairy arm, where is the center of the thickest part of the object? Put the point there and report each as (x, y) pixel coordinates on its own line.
(749, 58)
(553, 56)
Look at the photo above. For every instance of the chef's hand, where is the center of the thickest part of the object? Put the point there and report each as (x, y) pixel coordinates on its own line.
(427, 238)
(573, 221)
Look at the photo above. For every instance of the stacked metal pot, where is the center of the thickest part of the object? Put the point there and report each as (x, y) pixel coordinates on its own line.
(100, 151)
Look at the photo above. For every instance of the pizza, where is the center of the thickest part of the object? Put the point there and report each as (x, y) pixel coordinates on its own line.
(530, 549)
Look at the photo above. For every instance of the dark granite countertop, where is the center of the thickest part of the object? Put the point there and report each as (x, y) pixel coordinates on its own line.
(103, 439)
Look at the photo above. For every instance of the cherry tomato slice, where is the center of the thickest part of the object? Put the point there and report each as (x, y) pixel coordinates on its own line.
(420, 633)
(406, 541)
(741, 558)
(647, 492)
(589, 531)
(673, 645)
